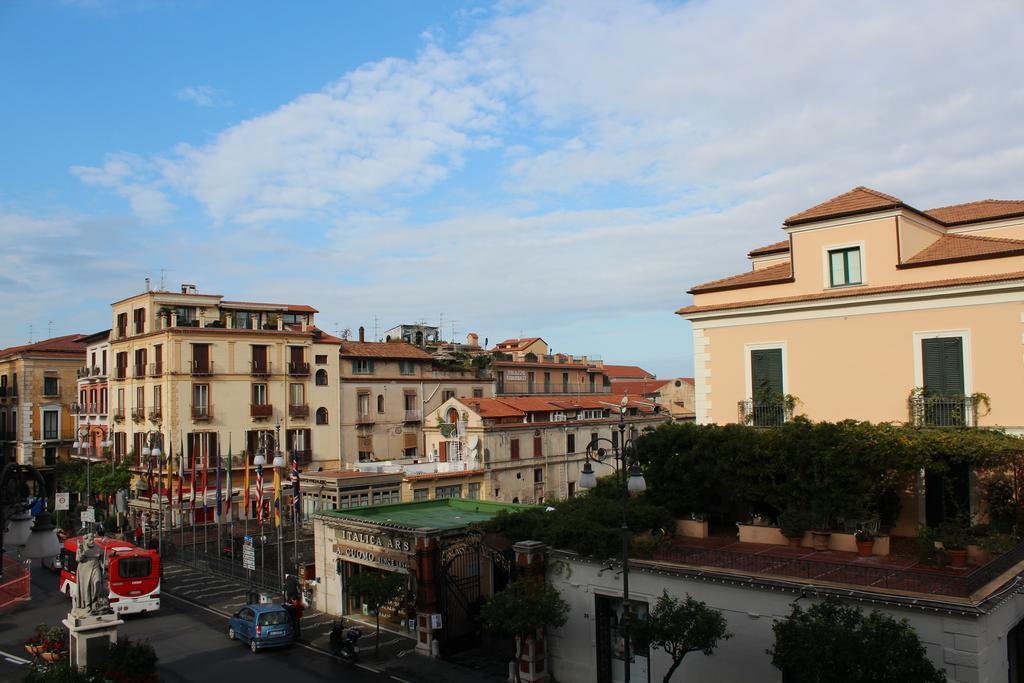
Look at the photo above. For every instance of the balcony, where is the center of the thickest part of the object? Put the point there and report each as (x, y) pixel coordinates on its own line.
(119, 414)
(519, 388)
(364, 419)
(259, 368)
(84, 372)
(944, 411)
(304, 457)
(122, 331)
(97, 372)
(412, 416)
(298, 410)
(298, 369)
(138, 414)
(8, 436)
(155, 414)
(78, 408)
(261, 410)
(156, 369)
(94, 409)
(201, 368)
(120, 373)
(201, 412)
(765, 413)
(140, 371)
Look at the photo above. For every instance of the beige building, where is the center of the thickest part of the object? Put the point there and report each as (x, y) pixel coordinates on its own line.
(37, 395)
(870, 309)
(387, 388)
(525, 367)
(195, 370)
(523, 449)
(674, 396)
(91, 419)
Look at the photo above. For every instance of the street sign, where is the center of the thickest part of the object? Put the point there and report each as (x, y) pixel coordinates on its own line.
(248, 554)
(62, 501)
(435, 621)
(88, 515)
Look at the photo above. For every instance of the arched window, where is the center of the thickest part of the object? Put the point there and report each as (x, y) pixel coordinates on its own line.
(321, 416)
(380, 403)
(321, 378)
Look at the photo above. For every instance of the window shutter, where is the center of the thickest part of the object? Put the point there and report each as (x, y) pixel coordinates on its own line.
(943, 366)
(766, 372)
(369, 365)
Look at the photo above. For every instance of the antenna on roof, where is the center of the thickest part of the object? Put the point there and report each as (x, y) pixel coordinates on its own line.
(30, 333)
(454, 337)
(163, 279)
(49, 329)
(440, 325)
(376, 328)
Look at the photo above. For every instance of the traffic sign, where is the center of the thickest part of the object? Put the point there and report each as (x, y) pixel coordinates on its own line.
(62, 501)
(248, 554)
(88, 515)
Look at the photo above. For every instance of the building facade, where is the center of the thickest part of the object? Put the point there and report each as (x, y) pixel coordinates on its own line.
(199, 373)
(387, 388)
(870, 309)
(91, 419)
(37, 398)
(524, 367)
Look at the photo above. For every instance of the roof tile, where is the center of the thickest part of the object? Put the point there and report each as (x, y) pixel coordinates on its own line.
(964, 247)
(858, 200)
(68, 344)
(777, 248)
(973, 212)
(778, 273)
(354, 349)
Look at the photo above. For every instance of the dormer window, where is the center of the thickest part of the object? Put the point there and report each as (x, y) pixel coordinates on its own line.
(844, 267)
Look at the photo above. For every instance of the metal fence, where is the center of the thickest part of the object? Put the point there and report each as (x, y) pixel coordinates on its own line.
(943, 411)
(14, 586)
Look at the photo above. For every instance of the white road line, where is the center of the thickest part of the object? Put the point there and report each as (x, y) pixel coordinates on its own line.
(14, 659)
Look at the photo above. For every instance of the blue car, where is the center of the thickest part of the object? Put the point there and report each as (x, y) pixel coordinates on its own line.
(262, 626)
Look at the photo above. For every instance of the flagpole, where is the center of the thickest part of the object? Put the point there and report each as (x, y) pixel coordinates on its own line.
(159, 501)
(230, 508)
(218, 500)
(206, 520)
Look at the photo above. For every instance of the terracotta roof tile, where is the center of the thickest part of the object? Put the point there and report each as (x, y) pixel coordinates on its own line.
(516, 344)
(778, 273)
(777, 248)
(293, 308)
(322, 337)
(490, 407)
(855, 291)
(858, 200)
(354, 349)
(627, 371)
(68, 344)
(639, 387)
(972, 212)
(964, 248)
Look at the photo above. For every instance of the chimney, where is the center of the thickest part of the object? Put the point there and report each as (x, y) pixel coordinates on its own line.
(147, 284)
(362, 333)
(472, 339)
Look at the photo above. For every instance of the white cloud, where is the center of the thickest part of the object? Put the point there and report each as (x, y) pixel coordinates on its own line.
(203, 96)
(135, 179)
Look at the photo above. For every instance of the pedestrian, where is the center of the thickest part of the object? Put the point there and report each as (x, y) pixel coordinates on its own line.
(138, 535)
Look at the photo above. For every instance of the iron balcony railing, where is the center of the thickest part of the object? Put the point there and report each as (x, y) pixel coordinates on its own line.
(412, 416)
(518, 387)
(364, 418)
(119, 414)
(202, 412)
(140, 370)
(84, 372)
(259, 368)
(202, 367)
(138, 414)
(298, 410)
(155, 414)
(303, 456)
(261, 410)
(298, 369)
(78, 408)
(770, 413)
(120, 372)
(944, 411)
(156, 369)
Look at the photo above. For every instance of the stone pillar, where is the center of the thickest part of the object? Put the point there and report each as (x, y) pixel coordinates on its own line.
(531, 564)
(90, 637)
(426, 596)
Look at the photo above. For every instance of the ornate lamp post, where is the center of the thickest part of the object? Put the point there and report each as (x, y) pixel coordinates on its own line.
(278, 466)
(83, 445)
(16, 502)
(632, 483)
(151, 449)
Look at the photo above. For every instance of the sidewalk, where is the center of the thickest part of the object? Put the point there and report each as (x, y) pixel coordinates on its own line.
(397, 658)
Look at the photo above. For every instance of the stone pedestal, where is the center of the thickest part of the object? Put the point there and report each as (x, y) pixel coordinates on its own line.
(90, 636)
(531, 557)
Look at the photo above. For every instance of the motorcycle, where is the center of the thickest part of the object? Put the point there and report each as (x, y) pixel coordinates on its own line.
(345, 643)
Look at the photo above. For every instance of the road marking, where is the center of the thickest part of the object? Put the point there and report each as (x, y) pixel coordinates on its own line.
(13, 659)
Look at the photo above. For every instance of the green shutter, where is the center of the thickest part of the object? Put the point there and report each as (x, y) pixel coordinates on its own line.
(766, 373)
(943, 366)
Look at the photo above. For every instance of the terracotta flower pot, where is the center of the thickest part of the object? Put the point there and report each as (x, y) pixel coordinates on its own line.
(819, 539)
(33, 649)
(794, 541)
(957, 558)
(52, 656)
(865, 548)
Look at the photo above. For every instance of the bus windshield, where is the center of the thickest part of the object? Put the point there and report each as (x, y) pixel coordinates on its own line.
(134, 567)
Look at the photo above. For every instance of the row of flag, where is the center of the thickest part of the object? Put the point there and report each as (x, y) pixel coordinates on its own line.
(223, 507)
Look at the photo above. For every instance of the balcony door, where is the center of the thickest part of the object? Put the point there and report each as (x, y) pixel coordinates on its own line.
(766, 390)
(942, 369)
(201, 357)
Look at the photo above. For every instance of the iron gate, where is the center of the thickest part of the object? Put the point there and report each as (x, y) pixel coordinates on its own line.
(471, 572)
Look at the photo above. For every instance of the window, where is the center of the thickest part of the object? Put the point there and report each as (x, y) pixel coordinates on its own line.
(51, 386)
(321, 359)
(157, 396)
(51, 427)
(364, 404)
(122, 324)
(103, 401)
(572, 489)
(478, 392)
(364, 456)
(139, 314)
(447, 394)
(140, 397)
(259, 394)
(474, 491)
(514, 449)
(844, 267)
(50, 456)
(766, 374)
(362, 366)
(186, 314)
(409, 452)
(380, 403)
(615, 439)
(448, 492)
(538, 475)
(297, 394)
(321, 416)
(595, 414)
(410, 401)
(420, 494)
(134, 567)
(538, 446)
(244, 320)
(570, 443)
(200, 395)
(321, 378)
(406, 367)
(120, 401)
(558, 416)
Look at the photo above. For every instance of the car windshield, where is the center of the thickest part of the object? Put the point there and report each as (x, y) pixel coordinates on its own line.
(273, 618)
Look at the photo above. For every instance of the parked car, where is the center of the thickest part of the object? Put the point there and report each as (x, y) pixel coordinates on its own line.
(262, 626)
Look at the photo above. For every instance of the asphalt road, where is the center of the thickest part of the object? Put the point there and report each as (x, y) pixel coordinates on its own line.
(192, 643)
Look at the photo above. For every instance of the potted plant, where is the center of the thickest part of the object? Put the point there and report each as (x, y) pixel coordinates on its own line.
(34, 644)
(955, 539)
(865, 542)
(820, 537)
(794, 522)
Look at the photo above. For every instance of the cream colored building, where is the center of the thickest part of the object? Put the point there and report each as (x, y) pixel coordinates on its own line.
(387, 388)
(91, 419)
(870, 309)
(203, 373)
(37, 395)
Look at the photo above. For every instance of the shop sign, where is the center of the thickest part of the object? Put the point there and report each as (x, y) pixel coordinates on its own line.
(384, 542)
(375, 558)
(516, 375)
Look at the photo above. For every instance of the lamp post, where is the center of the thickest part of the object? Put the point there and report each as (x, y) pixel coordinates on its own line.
(151, 449)
(278, 466)
(82, 445)
(40, 539)
(632, 483)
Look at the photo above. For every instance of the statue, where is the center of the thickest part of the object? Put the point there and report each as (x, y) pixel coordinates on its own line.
(91, 592)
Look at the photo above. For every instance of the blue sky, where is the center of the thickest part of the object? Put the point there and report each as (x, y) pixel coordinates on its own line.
(563, 169)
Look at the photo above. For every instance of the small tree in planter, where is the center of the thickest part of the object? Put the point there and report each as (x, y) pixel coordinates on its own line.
(794, 522)
(679, 627)
(865, 539)
(521, 610)
(835, 643)
(956, 536)
(376, 590)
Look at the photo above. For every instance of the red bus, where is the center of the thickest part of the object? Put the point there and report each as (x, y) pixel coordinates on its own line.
(134, 574)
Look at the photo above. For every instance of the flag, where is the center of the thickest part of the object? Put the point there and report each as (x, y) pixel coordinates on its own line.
(259, 494)
(277, 496)
(149, 477)
(170, 475)
(219, 500)
(228, 507)
(192, 484)
(181, 474)
(245, 493)
(205, 447)
(296, 507)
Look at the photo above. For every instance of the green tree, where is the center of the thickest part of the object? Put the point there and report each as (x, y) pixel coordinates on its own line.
(835, 643)
(522, 609)
(110, 480)
(679, 627)
(376, 590)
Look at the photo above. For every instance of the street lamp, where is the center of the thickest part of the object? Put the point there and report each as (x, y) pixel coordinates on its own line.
(81, 446)
(15, 509)
(151, 449)
(632, 483)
